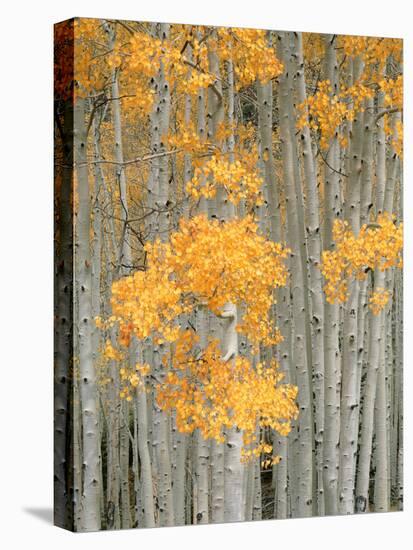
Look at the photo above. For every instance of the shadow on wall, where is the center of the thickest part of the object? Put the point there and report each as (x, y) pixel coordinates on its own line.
(44, 514)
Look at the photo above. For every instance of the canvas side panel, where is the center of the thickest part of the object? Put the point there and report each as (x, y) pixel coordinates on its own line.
(86, 441)
(63, 275)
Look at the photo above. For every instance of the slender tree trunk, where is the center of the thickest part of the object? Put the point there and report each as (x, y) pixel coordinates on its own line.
(161, 419)
(367, 417)
(124, 267)
(265, 105)
(124, 464)
(112, 402)
(178, 475)
(349, 381)
(145, 479)
(331, 311)
(381, 495)
(234, 469)
(399, 366)
(96, 288)
(83, 315)
(76, 490)
(257, 494)
(375, 383)
(316, 291)
(304, 462)
(380, 156)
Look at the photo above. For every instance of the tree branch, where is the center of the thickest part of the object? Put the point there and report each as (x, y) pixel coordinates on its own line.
(387, 112)
(212, 86)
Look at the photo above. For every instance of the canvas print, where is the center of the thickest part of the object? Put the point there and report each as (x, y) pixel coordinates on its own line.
(228, 274)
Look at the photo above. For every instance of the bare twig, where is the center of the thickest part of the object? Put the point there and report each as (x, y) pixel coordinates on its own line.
(329, 166)
(136, 160)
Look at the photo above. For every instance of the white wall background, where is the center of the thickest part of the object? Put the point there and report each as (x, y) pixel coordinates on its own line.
(26, 272)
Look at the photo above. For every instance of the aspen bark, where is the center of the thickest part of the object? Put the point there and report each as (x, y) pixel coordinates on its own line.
(313, 236)
(257, 492)
(283, 483)
(164, 108)
(349, 381)
(265, 105)
(375, 382)
(399, 366)
(83, 315)
(76, 489)
(124, 464)
(124, 266)
(234, 469)
(381, 495)
(178, 475)
(145, 461)
(367, 417)
(331, 311)
(380, 156)
(217, 482)
(304, 463)
(125, 260)
(112, 517)
(160, 194)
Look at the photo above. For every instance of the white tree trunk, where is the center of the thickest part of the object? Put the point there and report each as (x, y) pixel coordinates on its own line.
(234, 469)
(331, 311)
(304, 456)
(349, 382)
(83, 316)
(313, 234)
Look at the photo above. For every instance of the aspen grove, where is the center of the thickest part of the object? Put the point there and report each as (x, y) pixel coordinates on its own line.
(229, 208)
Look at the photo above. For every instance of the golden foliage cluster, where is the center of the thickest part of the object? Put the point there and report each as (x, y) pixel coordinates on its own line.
(214, 396)
(204, 263)
(237, 178)
(377, 246)
(183, 58)
(207, 264)
(326, 112)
